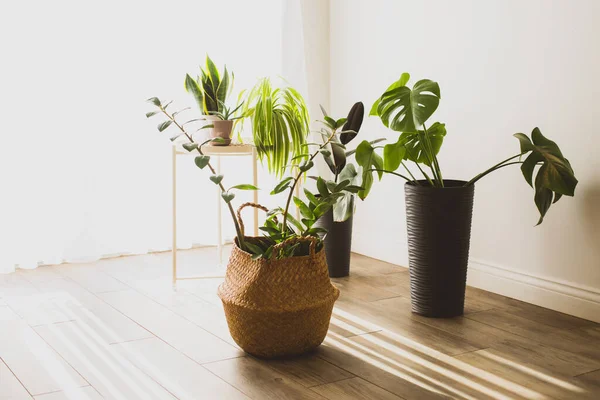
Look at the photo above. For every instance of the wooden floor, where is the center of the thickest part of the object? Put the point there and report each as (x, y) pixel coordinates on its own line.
(116, 329)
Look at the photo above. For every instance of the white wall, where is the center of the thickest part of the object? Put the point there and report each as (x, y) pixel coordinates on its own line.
(503, 67)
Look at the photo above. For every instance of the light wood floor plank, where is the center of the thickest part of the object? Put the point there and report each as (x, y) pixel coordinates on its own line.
(309, 370)
(111, 374)
(10, 387)
(39, 368)
(529, 381)
(84, 393)
(182, 334)
(177, 373)
(354, 389)
(257, 380)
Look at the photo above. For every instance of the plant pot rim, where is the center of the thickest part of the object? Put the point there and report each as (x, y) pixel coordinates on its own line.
(455, 184)
(317, 253)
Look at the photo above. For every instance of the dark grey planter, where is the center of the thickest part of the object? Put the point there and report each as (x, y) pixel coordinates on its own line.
(338, 244)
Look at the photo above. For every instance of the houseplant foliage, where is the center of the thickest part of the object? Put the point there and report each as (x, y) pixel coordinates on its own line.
(407, 110)
(338, 221)
(211, 88)
(439, 211)
(277, 295)
(279, 118)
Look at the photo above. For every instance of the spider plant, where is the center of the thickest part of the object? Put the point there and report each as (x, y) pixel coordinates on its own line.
(280, 124)
(211, 88)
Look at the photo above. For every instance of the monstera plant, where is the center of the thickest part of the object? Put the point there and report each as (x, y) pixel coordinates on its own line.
(439, 210)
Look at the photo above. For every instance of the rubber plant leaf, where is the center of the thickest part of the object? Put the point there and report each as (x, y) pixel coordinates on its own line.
(353, 122)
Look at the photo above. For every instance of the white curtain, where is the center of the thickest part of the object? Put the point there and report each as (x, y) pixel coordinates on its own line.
(84, 174)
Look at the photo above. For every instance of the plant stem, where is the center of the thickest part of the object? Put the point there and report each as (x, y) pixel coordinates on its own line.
(410, 173)
(238, 231)
(391, 172)
(433, 157)
(420, 169)
(492, 169)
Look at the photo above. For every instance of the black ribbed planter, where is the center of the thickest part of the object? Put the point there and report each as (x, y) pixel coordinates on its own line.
(338, 243)
(439, 233)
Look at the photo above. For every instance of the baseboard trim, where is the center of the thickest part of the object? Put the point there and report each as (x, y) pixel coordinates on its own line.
(565, 297)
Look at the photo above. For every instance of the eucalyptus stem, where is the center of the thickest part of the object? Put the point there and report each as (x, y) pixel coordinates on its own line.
(501, 164)
(238, 231)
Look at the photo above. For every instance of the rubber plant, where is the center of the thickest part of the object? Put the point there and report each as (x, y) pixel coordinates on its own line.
(407, 110)
(343, 131)
(211, 88)
(280, 123)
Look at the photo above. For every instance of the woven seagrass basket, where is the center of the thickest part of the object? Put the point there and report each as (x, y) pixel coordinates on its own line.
(278, 307)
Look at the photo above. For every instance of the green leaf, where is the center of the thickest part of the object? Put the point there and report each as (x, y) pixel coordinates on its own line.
(344, 208)
(311, 197)
(201, 161)
(216, 179)
(308, 222)
(529, 165)
(340, 122)
(227, 197)
(164, 125)
(191, 86)
(323, 110)
(256, 250)
(175, 137)
(326, 153)
(305, 166)
(154, 100)
(404, 78)
(244, 186)
(321, 209)
(393, 154)
(190, 146)
(339, 157)
(543, 198)
(405, 110)
(330, 122)
(151, 113)
(283, 185)
(322, 187)
(304, 209)
(417, 149)
(525, 142)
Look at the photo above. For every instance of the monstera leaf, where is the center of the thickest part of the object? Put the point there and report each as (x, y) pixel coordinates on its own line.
(555, 176)
(415, 142)
(405, 110)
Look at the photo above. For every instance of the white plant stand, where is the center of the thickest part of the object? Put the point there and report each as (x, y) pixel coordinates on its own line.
(215, 152)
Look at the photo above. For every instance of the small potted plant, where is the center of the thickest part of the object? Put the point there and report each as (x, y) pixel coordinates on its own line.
(277, 295)
(338, 220)
(210, 90)
(439, 210)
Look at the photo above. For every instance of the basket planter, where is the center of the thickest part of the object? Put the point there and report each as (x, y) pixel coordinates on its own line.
(338, 243)
(278, 307)
(439, 231)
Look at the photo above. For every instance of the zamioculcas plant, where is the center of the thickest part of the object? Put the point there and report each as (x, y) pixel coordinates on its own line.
(279, 124)
(211, 88)
(439, 210)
